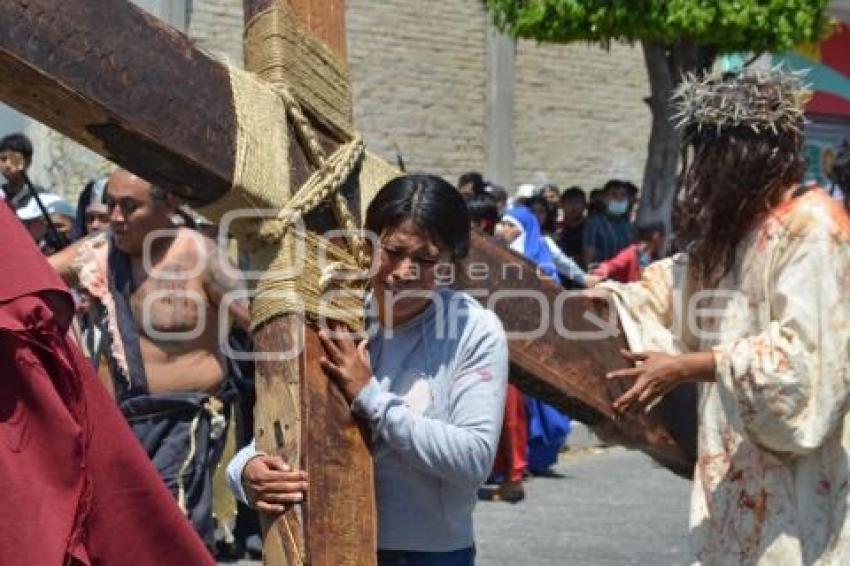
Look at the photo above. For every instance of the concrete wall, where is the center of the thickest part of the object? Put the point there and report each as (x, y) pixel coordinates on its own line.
(579, 115)
(419, 81)
(216, 26)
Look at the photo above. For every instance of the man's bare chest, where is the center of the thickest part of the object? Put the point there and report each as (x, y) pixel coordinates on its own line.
(167, 305)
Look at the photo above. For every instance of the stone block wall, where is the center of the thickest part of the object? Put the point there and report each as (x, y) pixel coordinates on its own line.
(216, 26)
(579, 115)
(419, 81)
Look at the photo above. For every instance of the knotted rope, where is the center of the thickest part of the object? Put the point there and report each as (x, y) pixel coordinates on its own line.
(303, 272)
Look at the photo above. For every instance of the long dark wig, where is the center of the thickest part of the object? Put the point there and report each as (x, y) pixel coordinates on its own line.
(730, 179)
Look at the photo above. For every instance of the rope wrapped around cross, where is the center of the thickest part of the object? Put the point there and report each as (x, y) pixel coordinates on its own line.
(304, 273)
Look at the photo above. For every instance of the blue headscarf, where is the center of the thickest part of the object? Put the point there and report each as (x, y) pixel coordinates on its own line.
(530, 242)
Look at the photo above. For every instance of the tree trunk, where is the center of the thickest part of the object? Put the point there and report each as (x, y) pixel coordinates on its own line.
(666, 67)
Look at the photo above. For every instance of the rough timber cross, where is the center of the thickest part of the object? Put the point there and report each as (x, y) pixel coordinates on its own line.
(136, 91)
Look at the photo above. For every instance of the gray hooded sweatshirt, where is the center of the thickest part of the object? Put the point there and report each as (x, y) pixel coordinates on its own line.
(434, 405)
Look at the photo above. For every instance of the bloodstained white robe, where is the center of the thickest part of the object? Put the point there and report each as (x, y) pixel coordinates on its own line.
(771, 482)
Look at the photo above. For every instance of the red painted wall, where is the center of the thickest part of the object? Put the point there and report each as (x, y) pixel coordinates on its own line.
(835, 53)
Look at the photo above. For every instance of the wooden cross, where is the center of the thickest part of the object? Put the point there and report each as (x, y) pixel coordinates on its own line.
(139, 93)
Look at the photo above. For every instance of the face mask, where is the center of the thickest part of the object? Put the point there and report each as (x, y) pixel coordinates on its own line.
(618, 207)
(645, 259)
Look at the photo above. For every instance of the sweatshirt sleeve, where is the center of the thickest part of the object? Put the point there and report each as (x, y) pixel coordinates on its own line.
(235, 468)
(565, 264)
(460, 450)
(789, 382)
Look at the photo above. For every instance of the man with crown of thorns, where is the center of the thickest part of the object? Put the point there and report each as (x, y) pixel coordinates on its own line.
(756, 308)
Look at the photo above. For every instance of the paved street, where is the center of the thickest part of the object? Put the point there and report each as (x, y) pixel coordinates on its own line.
(610, 507)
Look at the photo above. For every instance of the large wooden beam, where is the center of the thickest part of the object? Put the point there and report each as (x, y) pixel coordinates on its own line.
(299, 414)
(561, 347)
(124, 84)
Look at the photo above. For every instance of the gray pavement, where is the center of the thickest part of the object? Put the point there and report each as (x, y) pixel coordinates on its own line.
(610, 507)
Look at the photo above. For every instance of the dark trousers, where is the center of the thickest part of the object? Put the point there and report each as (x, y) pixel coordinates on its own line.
(463, 557)
(177, 433)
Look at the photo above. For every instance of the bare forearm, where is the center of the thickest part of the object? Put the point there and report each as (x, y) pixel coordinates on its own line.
(698, 366)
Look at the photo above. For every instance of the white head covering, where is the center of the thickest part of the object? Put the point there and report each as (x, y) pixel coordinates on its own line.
(526, 190)
(97, 197)
(518, 245)
(31, 211)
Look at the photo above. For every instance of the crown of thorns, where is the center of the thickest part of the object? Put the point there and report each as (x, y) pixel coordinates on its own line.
(767, 102)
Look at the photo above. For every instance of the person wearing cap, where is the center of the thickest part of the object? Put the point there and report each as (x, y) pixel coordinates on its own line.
(61, 214)
(15, 159)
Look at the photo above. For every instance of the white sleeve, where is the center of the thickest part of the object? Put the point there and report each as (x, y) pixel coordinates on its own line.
(235, 468)
(565, 264)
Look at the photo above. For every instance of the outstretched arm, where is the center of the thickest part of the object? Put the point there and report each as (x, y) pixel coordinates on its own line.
(63, 262)
(565, 264)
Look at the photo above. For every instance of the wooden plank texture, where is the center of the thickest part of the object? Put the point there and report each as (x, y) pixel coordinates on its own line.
(337, 523)
(568, 370)
(124, 84)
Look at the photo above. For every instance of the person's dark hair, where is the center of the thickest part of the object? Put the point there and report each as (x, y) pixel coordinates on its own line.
(728, 181)
(82, 202)
(158, 194)
(473, 178)
(497, 192)
(631, 188)
(549, 187)
(574, 193)
(841, 171)
(431, 203)
(483, 208)
(551, 212)
(594, 203)
(615, 184)
(19, 143)
(645, 232)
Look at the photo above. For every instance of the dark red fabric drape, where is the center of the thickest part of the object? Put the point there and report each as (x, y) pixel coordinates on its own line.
(74, 479)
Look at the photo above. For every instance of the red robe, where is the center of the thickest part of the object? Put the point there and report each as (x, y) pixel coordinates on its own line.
(75, 480)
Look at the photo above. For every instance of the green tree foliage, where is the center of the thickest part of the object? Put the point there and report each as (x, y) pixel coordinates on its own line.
(727, 25)
(677, 37)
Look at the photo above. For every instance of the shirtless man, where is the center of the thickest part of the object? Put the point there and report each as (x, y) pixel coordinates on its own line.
(158, 289)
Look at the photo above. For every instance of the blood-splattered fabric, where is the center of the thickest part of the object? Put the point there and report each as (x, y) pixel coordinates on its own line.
(771, 483)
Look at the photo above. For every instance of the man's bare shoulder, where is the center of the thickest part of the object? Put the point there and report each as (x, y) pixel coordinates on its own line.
(188, 251)
(72, 259)
(188, 239)
(204, 258)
